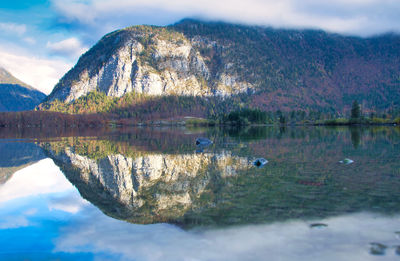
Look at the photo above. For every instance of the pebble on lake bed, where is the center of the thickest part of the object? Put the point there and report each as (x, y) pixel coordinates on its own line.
(318, 225)
(346, 161)
(310, 183)
(377, 249)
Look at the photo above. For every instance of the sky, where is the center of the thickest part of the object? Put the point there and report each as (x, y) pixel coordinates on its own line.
(40, 40)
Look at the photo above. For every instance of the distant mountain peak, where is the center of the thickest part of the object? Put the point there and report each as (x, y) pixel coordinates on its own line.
(7, 78)
(16, 95)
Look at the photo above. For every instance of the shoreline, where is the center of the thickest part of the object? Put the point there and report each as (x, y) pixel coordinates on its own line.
(48, 119)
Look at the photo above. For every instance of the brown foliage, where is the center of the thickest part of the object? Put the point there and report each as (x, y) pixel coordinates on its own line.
(47, 119)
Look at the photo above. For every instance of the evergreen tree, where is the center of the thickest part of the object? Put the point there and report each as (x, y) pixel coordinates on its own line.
(355, 110)
(282, 119)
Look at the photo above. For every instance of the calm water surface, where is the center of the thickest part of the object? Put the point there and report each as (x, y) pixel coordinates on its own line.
(152, 194)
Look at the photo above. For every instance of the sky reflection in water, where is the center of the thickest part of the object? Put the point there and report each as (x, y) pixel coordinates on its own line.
(42, 216)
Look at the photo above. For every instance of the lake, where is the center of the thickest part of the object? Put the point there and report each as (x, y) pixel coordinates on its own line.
(153, 194)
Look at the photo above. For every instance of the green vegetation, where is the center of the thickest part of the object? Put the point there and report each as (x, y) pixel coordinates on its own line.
(338, 121)
(356, 117)
(93, 102)
(355, 110)
(245, 117)
(94, 148)
(199, 122)
(134, 108)
(361, 121)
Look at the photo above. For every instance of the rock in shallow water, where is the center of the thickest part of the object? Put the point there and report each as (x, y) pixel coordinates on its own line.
(203, 141)
(377, 249)
(260, 162)
(346, 161)
(318, 225)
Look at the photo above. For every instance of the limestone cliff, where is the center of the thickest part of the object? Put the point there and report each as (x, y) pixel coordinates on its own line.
(147, 60)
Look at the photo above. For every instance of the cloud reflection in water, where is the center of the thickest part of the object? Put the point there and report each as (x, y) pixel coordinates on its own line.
(345, 238)
(40, 201)
(43, 177)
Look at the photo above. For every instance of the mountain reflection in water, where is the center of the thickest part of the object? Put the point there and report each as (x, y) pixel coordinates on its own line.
(302, 205)
(133, 178)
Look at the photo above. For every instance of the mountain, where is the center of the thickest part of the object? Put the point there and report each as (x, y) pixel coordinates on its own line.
(16, 95)
(266, 68)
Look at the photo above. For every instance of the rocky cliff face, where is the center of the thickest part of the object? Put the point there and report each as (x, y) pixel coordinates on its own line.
(144, 60)
(275, 69)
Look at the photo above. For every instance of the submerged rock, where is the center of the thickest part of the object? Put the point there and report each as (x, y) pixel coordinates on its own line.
(397, 234)
(260, 162)
(346, 161)
(318, 225)
(377, 249)
(310, 183)
(203, 141)
(398, 250)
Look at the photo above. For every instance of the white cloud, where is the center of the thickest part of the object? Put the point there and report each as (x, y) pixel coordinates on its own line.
(29, 40)
(70, 47)
(362, 17)
(12, 28)
(41, 73)
(42, 182)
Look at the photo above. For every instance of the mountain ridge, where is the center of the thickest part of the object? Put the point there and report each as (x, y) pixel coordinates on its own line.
(16, 95)
(7, 78)
(272, 69)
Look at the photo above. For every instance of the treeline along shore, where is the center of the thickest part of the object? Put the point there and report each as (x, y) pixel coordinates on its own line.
(236, 117)
(50, 119)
